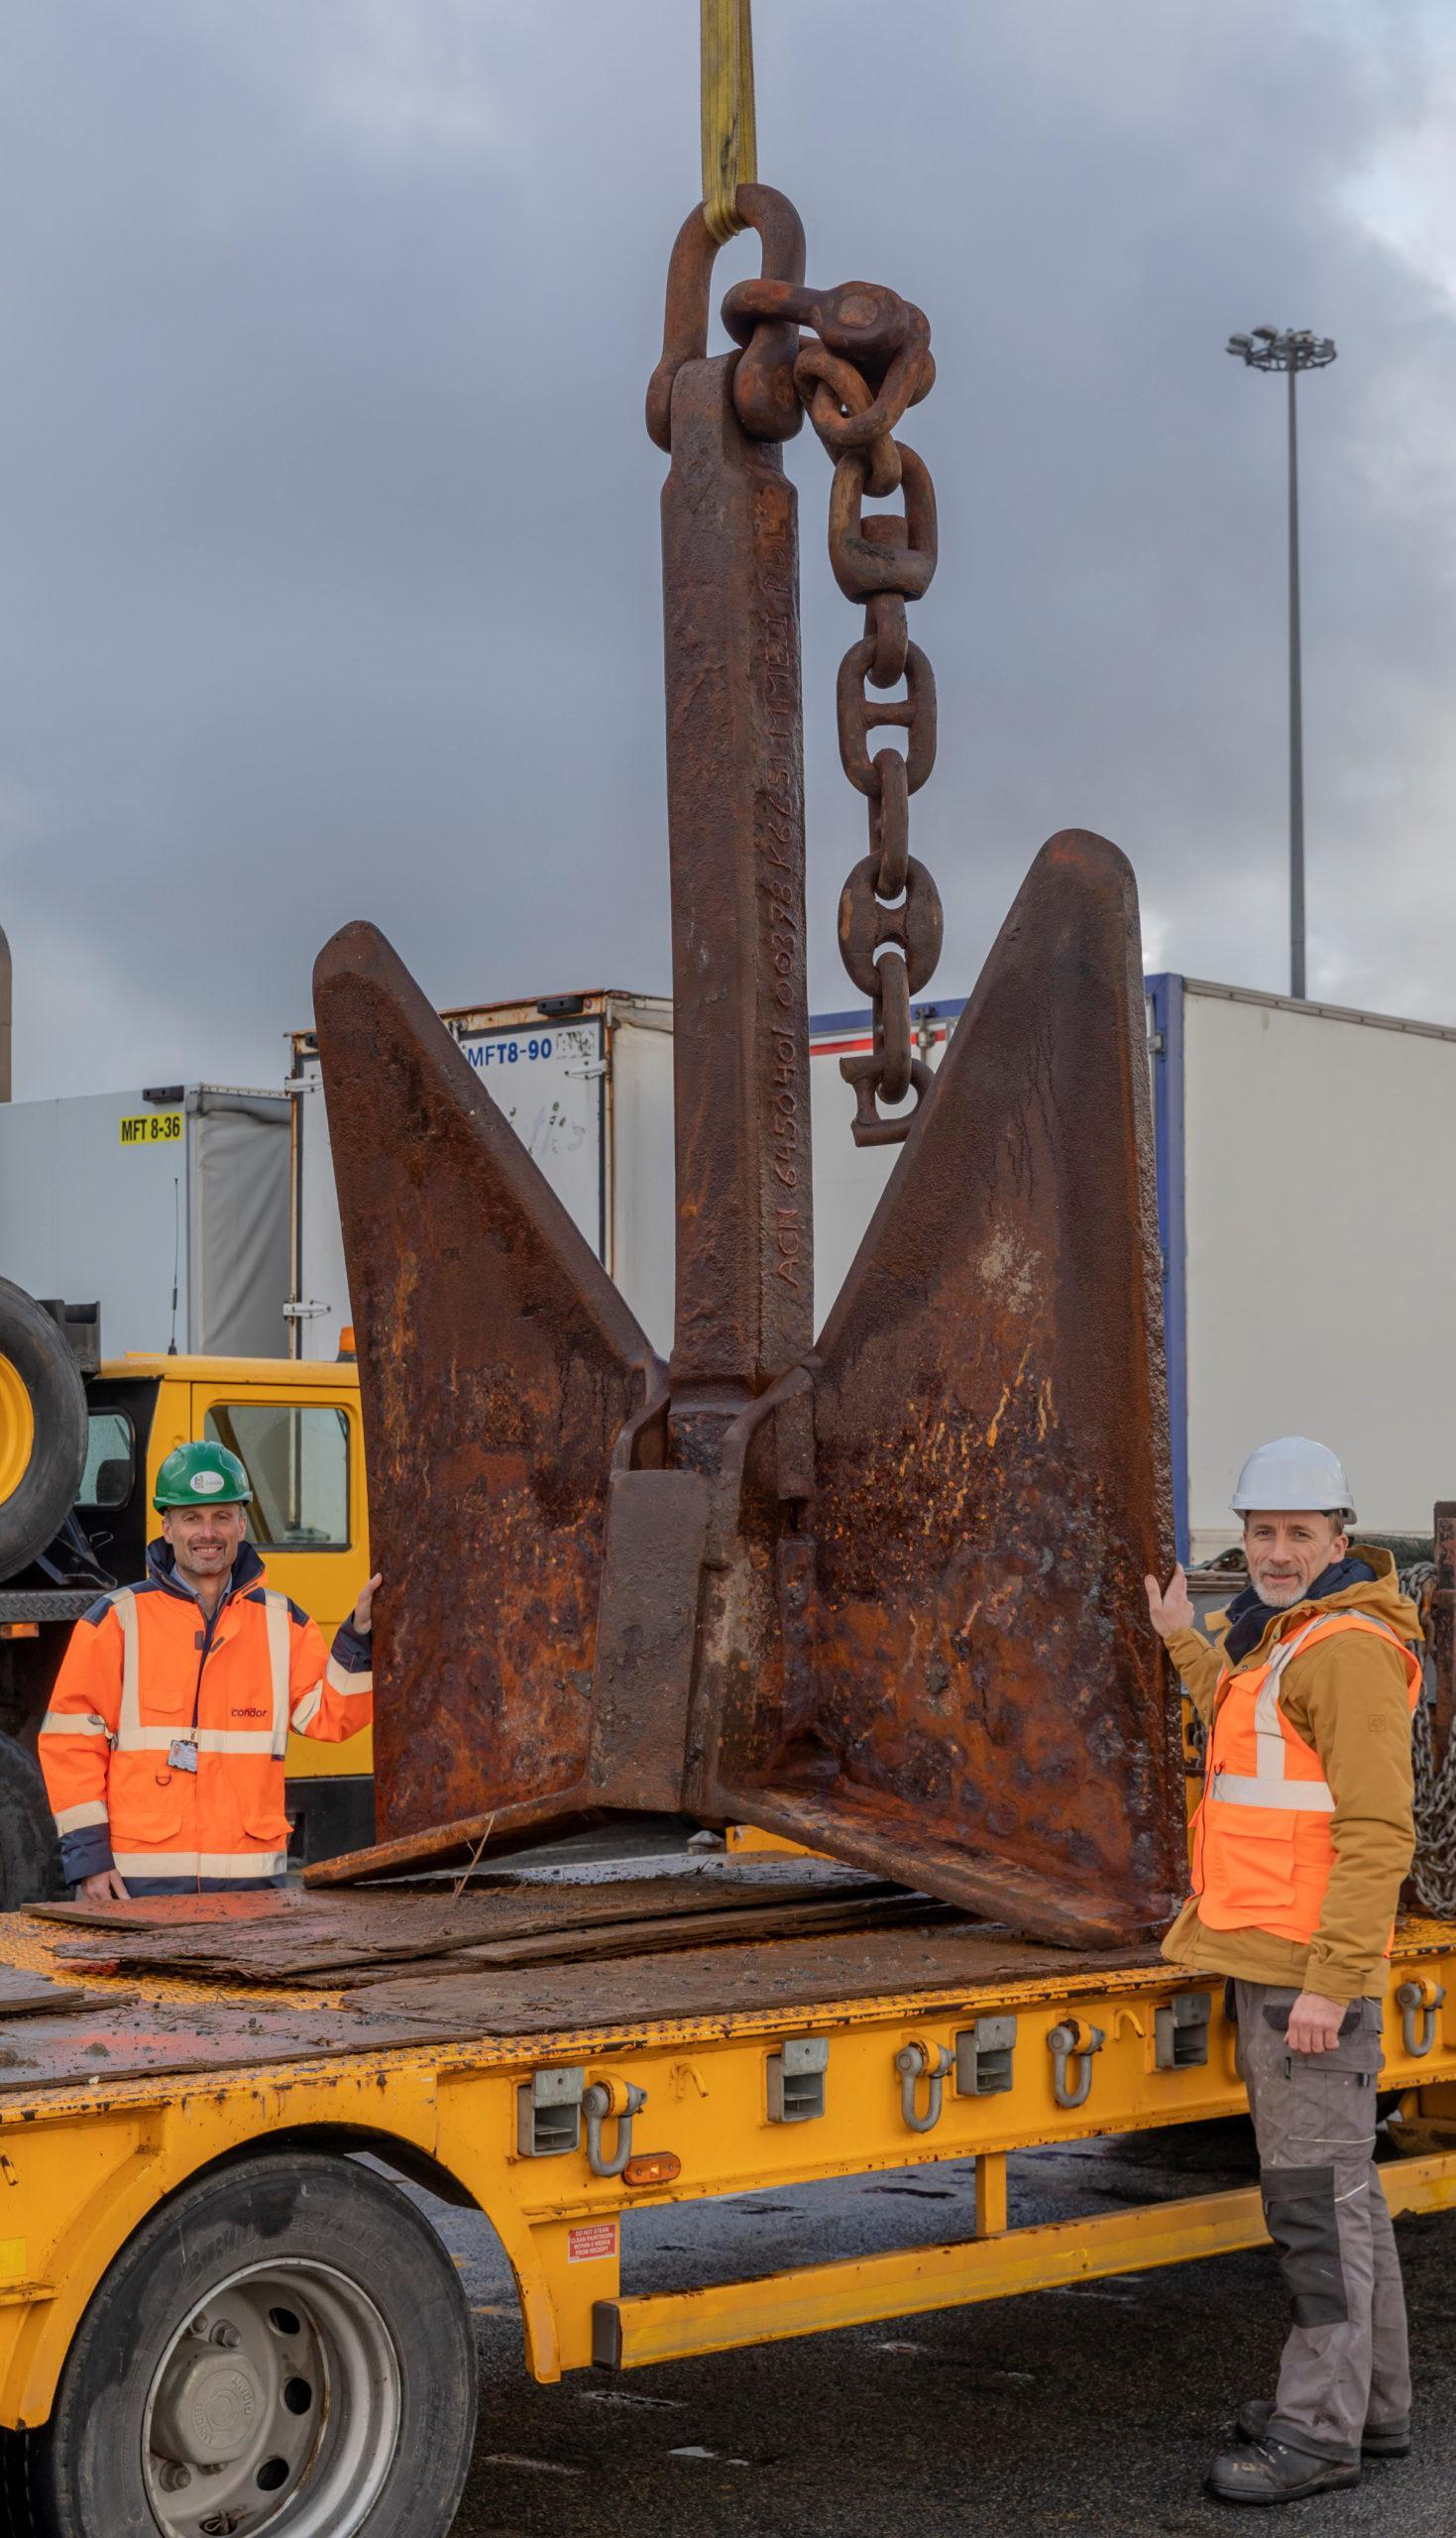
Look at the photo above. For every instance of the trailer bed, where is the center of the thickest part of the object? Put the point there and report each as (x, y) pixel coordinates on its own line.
(160, 2022)
(559, 2099)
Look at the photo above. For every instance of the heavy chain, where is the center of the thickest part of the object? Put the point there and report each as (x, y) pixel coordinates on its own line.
(1434, 1868)
(866, 359)
(872, 360)
(890, 918)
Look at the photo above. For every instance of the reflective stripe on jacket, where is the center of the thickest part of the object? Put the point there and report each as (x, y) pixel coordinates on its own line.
(144, 1671)
(1263, 1852)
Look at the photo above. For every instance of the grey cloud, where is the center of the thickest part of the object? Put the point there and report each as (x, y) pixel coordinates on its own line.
(333, 523)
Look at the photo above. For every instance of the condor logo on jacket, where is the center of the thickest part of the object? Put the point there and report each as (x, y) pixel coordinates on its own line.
(140, 1678)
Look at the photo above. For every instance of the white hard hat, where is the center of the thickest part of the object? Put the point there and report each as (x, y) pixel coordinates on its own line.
(1293, 1471)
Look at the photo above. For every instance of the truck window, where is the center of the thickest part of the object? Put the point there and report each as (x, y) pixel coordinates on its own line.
(111, 1455)
(297, 1460)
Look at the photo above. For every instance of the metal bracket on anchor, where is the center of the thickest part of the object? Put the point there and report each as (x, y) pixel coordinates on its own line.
(607, 2098)
(932, 2062)
(1420, 2004)
(1069, 2044)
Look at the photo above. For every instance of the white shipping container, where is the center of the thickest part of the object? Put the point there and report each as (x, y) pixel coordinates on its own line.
(1308, 1223)
(116, 1196)
(586, 1081)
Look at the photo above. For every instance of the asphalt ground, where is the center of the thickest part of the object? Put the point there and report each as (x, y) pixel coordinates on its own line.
(1090, 2411)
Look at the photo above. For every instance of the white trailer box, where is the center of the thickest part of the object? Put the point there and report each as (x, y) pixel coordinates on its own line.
(1308, 1207)
(585, 1081)
(117, 1197)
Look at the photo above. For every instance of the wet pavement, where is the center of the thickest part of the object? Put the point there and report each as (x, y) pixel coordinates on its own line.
(1090, 2411)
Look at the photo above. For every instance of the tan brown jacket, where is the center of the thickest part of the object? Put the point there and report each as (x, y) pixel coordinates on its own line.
(1345, 1697)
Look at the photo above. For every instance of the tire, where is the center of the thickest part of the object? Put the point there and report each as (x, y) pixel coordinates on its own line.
(43, 1429)
(29, 1854)
(294, 2311)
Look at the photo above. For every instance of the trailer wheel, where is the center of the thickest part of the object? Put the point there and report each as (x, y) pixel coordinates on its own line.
(30, 1854)
(43, 1429)
(283, 2351)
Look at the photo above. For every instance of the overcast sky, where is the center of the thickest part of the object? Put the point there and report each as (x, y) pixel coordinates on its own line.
(330, 523)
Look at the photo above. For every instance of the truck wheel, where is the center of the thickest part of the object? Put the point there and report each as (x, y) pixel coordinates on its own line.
(43, 1429)
(284, 2350)
(30, 1854)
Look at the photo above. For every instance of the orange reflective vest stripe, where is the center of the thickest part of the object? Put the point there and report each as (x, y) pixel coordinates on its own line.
(141, 1676)
(1263, 1850)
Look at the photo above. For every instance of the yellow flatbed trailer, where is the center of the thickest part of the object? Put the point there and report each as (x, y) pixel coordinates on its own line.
(213, 2318)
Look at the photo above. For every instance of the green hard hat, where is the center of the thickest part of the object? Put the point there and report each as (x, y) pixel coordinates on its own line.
(201, 1475)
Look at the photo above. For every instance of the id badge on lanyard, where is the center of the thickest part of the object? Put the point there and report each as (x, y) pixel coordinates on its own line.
(182, 1754)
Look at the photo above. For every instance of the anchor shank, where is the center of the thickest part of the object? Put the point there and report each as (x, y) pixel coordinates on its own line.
(735, 825)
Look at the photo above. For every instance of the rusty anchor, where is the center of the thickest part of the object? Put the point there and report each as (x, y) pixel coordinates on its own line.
(879, 1591)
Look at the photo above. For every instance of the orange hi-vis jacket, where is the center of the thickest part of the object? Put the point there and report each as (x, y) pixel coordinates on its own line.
(1263, 1852)
(163, 1745)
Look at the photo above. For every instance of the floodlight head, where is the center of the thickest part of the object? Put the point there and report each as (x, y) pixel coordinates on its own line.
(1266, 335)
(1243, 344)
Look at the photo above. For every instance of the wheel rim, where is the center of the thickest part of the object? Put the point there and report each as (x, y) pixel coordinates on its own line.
(274, 2410)
(17, 1427)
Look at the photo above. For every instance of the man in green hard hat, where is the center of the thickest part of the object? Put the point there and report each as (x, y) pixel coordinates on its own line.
(163, 1745)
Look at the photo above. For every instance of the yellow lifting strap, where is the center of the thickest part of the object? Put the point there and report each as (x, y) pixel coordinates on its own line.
(730, 133)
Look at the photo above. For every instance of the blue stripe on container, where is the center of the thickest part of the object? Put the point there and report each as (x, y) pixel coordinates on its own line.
(1166, 992)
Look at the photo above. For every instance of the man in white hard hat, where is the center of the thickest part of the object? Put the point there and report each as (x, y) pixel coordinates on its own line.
(1299, 1847)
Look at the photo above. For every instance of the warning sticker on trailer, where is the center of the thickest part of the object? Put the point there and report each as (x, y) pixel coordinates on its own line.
(592, 2239)
(152, 1129)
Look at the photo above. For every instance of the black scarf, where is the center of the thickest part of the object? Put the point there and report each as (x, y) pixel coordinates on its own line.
(1248, 1616)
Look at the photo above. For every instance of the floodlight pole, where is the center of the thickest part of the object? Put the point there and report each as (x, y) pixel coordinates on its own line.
(1296, 712)
(1292, 351)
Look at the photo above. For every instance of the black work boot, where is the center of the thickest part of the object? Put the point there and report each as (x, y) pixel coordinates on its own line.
(1377, 2440)
(1266, 2472)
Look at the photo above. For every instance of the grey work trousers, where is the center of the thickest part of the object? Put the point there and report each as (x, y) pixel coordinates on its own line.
(1345, 2364)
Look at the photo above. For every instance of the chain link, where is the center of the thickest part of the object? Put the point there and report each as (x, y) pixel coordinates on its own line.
(890, 918)
(871, 359)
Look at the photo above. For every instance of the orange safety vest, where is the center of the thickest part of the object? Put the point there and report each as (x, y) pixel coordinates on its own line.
(1263, 1851)
(143, 1684)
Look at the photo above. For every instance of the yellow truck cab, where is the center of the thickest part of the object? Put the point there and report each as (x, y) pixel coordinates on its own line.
(297, 1430)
